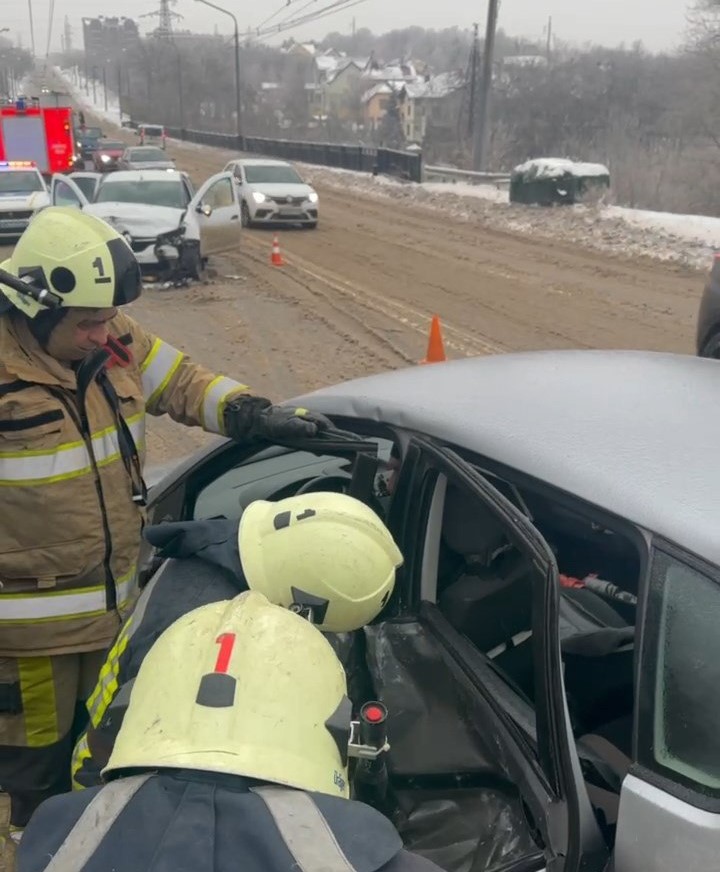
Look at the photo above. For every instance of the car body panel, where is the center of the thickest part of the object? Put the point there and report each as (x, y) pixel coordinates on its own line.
(219, 231)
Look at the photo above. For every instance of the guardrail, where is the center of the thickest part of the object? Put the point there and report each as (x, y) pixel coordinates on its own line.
(386, 161)
(452, 173)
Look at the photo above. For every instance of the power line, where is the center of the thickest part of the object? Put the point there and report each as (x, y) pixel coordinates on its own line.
(338, 6)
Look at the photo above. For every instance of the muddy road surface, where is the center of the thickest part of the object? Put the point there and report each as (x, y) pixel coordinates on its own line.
(356, 295)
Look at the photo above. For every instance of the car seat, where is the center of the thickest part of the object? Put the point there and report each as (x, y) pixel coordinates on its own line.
(490, 599)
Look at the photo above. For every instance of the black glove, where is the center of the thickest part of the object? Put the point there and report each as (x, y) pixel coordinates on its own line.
(255, 417)
(214, 541)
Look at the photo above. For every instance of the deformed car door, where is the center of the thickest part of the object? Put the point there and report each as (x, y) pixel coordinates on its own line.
(669, 816)
(550, 779)
(64, 192)
(216, 208)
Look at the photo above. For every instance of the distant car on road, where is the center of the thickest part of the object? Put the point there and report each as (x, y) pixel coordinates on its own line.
(708, 323)
(146, 157)
(167, 224)
(152, 134)
(87, 139)
(273, 192)
(107, 154)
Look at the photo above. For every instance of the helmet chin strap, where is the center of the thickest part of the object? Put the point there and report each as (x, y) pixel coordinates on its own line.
(43, 324)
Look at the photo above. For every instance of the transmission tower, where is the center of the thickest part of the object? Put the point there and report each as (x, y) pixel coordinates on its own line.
(165, 16)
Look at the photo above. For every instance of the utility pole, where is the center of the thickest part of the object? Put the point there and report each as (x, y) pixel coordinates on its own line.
(482, 130)
(473, 80)
(549, 37)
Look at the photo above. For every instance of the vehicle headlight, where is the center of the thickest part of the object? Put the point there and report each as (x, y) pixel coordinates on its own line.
(105, 158)
(313, 197)
(259, 197)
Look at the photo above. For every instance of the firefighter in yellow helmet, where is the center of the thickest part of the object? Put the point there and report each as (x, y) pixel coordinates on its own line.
(77, 378)
(327, 555)
(234, 748)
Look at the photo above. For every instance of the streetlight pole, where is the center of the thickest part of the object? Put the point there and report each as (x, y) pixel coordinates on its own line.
(105, 86)
(237, 62)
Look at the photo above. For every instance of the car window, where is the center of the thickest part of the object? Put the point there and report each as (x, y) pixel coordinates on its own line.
(86, 185)
(153, 131)
(20, 182)
(146, 154)
(258, 174)
(220, 194)
(680, 715)
(64, 195)
(152, 193)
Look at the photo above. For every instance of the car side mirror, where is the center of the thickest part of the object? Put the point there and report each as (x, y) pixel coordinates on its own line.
(204, 209)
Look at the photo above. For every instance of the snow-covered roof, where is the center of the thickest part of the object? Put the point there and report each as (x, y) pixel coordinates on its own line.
(380, 88)
(394, 71)
(345, 63)
(436, 87)
(556, 167)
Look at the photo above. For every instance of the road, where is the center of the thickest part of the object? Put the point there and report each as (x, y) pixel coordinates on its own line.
(356, 297)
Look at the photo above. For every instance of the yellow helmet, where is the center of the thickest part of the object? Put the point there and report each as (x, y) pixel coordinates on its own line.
(241, 687)
(82, 260)
(324, 551)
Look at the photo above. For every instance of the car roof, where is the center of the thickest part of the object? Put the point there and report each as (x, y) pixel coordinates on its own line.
(144, 148)
(259, 162)
(632, 432)
(143, 176)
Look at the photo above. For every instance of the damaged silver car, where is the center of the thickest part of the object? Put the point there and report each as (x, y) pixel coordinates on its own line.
(172, 228)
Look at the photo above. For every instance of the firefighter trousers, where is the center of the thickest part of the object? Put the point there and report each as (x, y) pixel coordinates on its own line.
(41, 713)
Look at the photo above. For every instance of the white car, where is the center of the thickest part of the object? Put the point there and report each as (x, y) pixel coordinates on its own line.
(169, 226)
(273, 192)
(23, 192)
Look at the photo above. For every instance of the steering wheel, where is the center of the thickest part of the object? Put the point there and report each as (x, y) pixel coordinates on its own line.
(321, 482)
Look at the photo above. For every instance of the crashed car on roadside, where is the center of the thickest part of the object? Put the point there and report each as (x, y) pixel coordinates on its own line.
(172, 228)
(550, 655)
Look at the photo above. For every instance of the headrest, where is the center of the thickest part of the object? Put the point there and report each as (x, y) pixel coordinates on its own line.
(469, 528)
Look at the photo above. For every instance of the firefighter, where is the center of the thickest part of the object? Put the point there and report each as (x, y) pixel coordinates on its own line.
(235, 745)
(324, 552)
(77, 378)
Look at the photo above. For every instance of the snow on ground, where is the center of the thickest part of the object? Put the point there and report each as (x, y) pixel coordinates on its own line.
(78, 93)
(690, 240)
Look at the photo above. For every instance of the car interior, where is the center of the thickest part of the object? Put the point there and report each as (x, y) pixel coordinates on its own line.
(451, 795)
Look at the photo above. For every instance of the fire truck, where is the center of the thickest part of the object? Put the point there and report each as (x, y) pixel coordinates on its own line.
(39, 129)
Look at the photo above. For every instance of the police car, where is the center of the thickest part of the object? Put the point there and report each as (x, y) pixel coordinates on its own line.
(23, 192)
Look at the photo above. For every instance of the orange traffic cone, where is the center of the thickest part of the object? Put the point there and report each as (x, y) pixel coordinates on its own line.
(436, 349)
(276, 257)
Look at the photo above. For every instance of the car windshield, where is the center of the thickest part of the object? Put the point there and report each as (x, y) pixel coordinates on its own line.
(86, 185)
(146, 154)
(111, 146)
(272, 174)
(151, 193)
(20, 182)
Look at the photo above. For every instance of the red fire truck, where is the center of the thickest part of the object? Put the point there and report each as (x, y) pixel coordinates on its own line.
(39, 130)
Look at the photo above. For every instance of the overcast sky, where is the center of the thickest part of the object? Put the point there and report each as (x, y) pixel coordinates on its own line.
(658, 23)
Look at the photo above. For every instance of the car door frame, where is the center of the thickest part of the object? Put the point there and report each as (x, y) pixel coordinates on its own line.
(58, 178)
(216, 236)
(553, 784)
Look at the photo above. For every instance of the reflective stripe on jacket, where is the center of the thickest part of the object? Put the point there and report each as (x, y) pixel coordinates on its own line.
(71, 528)
(194, 820)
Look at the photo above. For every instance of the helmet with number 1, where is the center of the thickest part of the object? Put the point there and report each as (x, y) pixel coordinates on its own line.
(240, 687)
(325, 551)
(77, 256)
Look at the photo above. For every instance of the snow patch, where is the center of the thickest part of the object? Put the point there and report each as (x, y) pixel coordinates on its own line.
(556, 167)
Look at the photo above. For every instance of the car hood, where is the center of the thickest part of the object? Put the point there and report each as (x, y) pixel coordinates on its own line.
(137, 218)
(151, 165)
(23, 202)
(283, 190)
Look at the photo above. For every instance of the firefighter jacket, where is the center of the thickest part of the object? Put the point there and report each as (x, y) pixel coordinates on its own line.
(194, 820)
(71, 456)
(209, 571)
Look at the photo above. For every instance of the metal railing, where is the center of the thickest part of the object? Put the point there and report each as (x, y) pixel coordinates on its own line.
(454, 174)
(364, 159)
